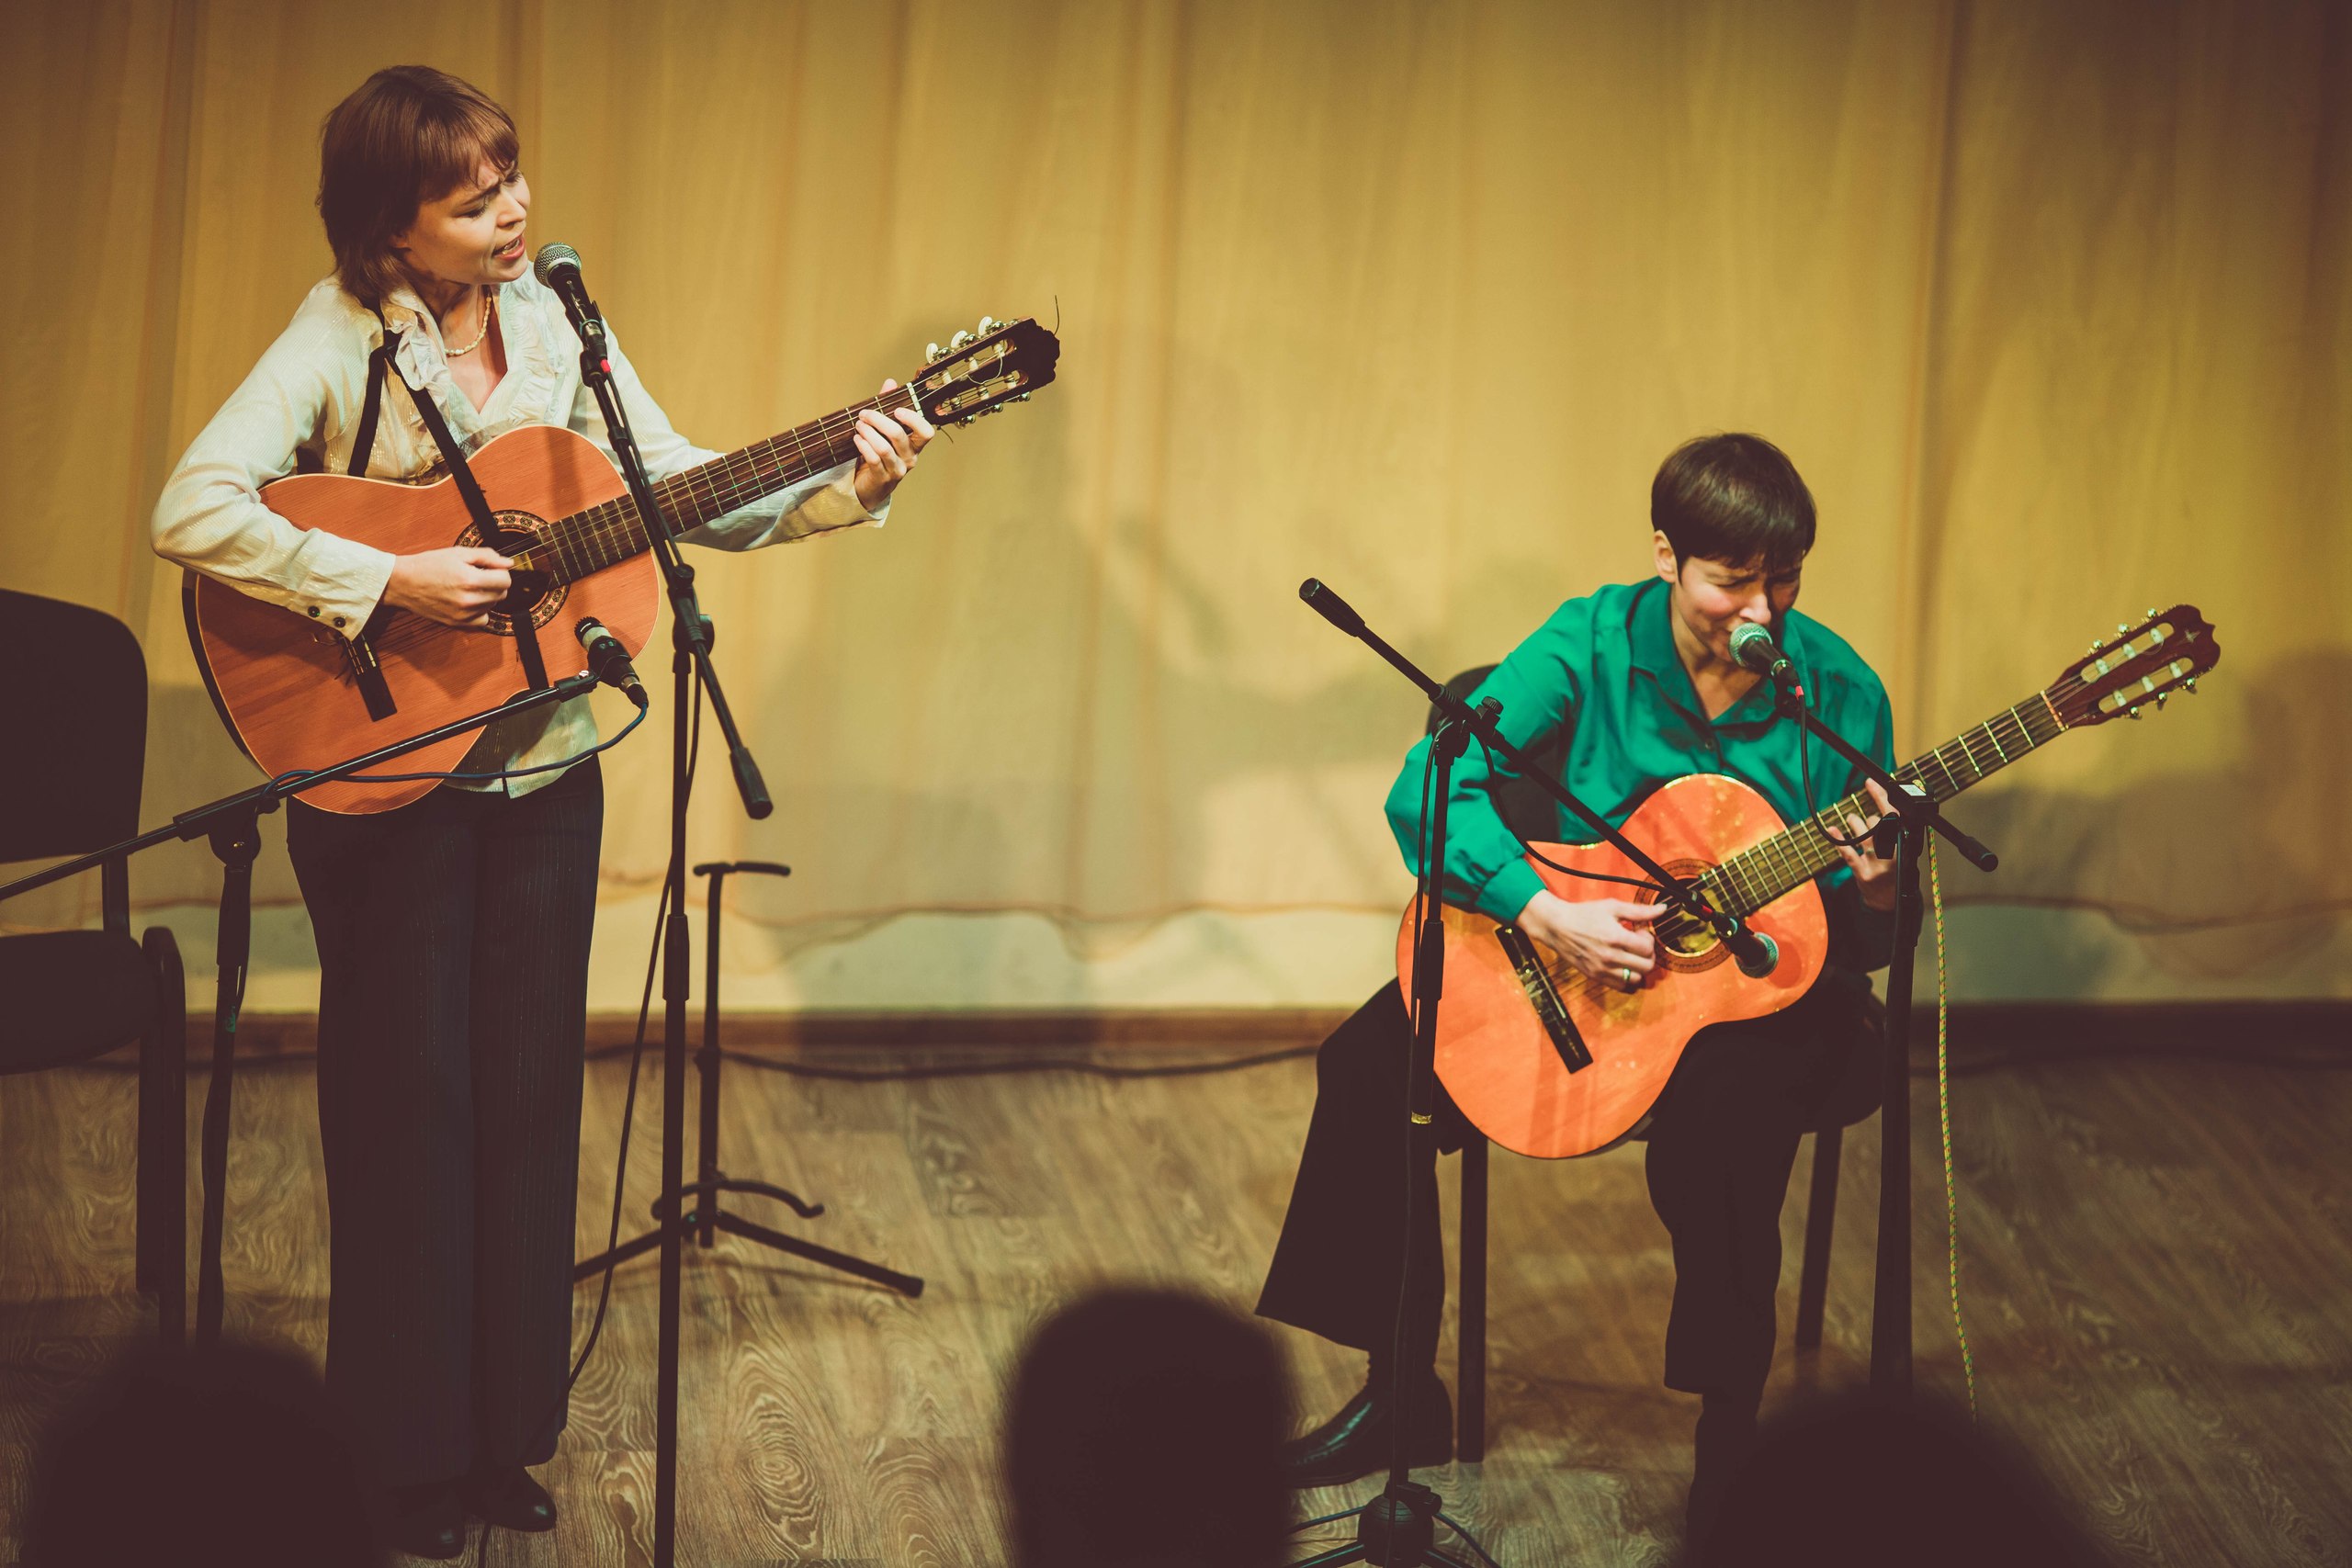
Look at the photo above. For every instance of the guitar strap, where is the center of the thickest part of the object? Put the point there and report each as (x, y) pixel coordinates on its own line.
(517, 610)
(380, 365)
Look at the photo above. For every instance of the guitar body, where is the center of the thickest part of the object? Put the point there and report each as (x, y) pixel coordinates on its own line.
(1494, 1056)
(289, 686)
(298, 694)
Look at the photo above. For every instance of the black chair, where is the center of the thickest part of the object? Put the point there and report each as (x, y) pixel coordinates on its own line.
(78, 714)
(1532, 811)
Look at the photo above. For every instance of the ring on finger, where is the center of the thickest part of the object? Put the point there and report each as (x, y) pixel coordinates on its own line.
(1627, 974)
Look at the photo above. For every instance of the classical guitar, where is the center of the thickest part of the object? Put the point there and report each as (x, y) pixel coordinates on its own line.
(1502, 1052)
(297, 695)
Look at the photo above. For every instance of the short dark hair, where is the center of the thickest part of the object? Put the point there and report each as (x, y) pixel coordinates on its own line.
(408, 135)
(1732, 498)
(1147, 1426)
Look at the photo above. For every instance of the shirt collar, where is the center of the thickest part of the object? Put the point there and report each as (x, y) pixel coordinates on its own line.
(1651, 630)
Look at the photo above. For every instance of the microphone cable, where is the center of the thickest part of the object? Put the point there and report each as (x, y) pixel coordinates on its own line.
(672, 879)
(635, 719)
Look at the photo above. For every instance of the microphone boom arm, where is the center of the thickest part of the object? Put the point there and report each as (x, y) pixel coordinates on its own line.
(1755, 951)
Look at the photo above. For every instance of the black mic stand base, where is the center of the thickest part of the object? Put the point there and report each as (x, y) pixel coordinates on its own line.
(1396, 1529)
(707, 1219)
(735, 1225)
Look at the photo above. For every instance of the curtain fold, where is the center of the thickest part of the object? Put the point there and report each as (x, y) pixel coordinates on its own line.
(2048, 303)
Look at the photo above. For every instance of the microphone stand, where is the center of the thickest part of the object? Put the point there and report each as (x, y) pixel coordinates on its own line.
(232, 826)
(1397, 1527)
(690, 638)
(694, 677)
(1902, 835)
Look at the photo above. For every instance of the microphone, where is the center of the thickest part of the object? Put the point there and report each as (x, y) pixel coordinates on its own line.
(1330, 606)
(1752, 645)
(1756, 954)
(557, 266)
(608, 660)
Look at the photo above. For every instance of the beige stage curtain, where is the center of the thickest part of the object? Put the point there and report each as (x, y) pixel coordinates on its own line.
(2048, 301)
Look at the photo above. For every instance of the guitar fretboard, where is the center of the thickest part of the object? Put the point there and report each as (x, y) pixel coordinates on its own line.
(1766, 871)
(607, 534)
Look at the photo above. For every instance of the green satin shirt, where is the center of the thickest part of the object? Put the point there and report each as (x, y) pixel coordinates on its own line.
(1605, 670)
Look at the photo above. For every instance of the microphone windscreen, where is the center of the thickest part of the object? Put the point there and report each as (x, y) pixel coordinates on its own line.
(1752, 645)
(552, 256)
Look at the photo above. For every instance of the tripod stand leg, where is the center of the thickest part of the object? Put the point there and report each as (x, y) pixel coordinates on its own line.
(589, 1268)
(905, 1284)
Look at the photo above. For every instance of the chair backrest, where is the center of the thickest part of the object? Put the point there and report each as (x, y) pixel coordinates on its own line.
(77, 719)
(1527, 807)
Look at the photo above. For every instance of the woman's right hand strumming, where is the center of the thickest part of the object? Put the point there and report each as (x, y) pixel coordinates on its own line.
(1607, 939)
(458, 587)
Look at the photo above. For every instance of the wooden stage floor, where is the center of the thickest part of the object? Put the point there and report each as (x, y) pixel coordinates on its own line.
(2156, 1267)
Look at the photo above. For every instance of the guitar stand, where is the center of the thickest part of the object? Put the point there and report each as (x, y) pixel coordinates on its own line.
(706, 1219)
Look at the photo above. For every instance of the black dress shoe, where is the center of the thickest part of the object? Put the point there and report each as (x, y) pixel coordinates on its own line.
(1725, 1439)
(425, 1521)
(510, 1499)
(1358, 1440)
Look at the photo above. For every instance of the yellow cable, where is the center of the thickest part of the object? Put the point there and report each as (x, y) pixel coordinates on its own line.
(1943, 1108)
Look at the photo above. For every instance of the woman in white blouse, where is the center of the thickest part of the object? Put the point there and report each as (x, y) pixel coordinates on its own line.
(453, 933)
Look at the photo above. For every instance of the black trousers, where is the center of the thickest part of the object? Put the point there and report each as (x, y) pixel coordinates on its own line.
(453, 956)
(1722, 1139)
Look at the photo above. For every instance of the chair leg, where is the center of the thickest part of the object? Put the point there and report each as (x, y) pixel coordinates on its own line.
(161, 1206)
(1820, 1219)
(1470, 1394)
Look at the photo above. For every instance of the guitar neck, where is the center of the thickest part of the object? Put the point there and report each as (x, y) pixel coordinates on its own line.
(611, 532)
(1764, 871)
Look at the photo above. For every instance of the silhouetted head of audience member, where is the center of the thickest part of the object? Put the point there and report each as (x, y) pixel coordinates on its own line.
(1857, 1481)
(229, 1454)
(1145, 1428)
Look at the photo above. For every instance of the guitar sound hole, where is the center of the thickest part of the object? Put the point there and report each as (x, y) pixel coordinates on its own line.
(532, 591)
(1684, 944)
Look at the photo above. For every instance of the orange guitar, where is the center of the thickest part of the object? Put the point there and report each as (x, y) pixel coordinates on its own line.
(1500, 1051)
(297, 695)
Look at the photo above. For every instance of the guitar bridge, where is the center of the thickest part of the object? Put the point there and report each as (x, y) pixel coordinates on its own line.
(1550, 1010)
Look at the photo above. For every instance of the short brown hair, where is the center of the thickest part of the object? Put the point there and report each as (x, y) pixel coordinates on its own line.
(1732, 498)
(409, 135)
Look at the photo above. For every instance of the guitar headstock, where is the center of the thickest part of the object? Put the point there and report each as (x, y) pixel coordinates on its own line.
(980, 372)
(2140, 665)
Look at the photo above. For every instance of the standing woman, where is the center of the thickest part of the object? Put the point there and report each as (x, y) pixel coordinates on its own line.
(453, 932)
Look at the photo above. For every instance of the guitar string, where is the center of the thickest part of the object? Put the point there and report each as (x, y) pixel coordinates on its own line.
(615, 525)
(1760, 874)
(1764, 871)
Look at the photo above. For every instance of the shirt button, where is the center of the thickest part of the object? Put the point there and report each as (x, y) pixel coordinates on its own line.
(314, 611)
(338, 620)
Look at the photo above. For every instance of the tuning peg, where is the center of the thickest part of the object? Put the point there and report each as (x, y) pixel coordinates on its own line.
(2130, 713)
(958, 340)
(2122, 627)
(988, 324)
(2151, 612)
(2190, 685)
(932, 354)
(2160, 698)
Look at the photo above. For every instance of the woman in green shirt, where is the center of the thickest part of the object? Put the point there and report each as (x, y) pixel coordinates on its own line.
(1629, 687)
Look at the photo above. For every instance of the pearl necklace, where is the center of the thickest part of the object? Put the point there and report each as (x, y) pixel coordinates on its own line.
(488, 308)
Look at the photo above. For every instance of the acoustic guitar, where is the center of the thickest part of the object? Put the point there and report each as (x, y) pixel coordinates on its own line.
(299, 695)
(1502, 1050)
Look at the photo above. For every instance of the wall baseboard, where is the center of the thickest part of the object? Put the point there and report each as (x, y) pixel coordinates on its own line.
(2318, 1025)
